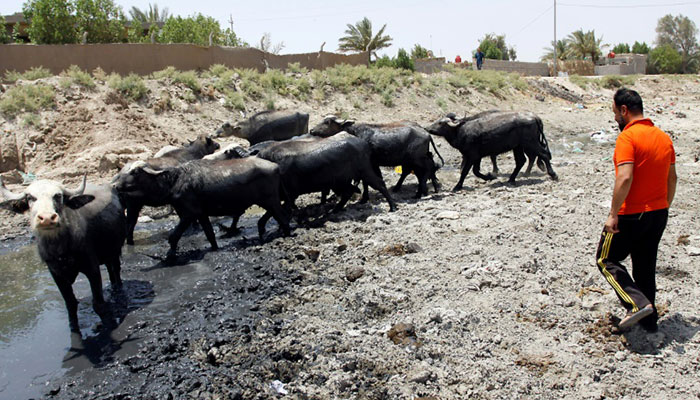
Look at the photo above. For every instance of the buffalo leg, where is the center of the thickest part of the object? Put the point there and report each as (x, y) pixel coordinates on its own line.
(466, 165)
(114, 270)
(98, 301)
(477, 171)
(519, 156)
(494, 170)
(544, 158)
(405, 171)
(365, 193)
(132, 215)
(66, 289)
(377, 183)
(208, 231)
(422, 176)
(276, 211)
(176, 234)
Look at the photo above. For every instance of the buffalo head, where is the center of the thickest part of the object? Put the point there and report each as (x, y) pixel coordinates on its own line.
(330, 126)
(229, 152)
(45, 199)
(205, 143)
(445, 126)
(227, 129)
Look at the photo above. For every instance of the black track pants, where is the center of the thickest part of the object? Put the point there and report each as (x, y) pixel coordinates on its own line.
(639, 238)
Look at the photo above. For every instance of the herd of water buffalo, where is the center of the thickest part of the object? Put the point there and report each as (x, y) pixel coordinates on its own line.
(79, 230)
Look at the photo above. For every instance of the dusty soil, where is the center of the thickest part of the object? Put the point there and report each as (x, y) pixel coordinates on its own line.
(489, 292)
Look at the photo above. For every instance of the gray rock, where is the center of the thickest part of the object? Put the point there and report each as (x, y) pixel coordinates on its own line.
(420, 376)
(354, 273)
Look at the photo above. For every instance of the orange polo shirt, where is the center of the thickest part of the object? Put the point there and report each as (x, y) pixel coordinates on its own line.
(651, 151)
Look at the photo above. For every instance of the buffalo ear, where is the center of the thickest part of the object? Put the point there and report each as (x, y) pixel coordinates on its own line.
(76, 202)
(16, 206)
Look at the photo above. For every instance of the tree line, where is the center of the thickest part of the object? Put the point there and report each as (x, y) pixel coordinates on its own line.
(102, 21)
(676, 51)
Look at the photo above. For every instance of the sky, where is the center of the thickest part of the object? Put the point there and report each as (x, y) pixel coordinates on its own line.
(448, 27)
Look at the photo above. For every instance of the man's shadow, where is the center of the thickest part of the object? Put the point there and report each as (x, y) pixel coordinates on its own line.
(98, 349)
(673, 330)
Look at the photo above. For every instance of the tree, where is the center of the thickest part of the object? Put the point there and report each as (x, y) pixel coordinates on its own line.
(664, 59)
(403, 60)
(419, 52)
(621, 48)
(680, 33)
(640, 48)
(153, 15)
(102, 20)
(4, 36)
(195, 29)
(494, 47)
(562, 51)
(267, 46)
(50, 21)
(359, 38)
(584, 44)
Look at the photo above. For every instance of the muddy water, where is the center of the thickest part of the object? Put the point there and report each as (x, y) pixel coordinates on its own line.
(36, 345)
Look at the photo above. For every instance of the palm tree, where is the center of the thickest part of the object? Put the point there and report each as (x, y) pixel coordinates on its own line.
(562, 51)
(359, 38)
(151, 16)
(584, 44)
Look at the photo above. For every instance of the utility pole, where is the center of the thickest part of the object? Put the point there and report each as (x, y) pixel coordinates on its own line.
(555, 38)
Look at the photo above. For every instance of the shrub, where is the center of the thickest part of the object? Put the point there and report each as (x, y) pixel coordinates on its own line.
(194, 29)
(218, 70)
(388, 98)
(131, 86)
(384, 61)
(31, 119)
(50, 21)
(275, 80)
(189, 79)
(99, 74)
(28, 75)
(102, 20)
(79, 77)
(27, 98)
(167, 73)
(441, 103)
(234, 100)
(270, 102)
(617, 81)
(296, 68)
(579, 81)
(4, 36)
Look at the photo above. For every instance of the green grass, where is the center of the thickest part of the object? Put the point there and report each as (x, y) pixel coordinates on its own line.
(131, 86)
(296, 68)
(494, 82)
(27, 98)
(441, 103)
(187, 78)
(74, 75)
(29, 75)
(580, 81)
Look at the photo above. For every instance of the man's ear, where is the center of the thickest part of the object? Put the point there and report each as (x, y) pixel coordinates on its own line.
(76, 202)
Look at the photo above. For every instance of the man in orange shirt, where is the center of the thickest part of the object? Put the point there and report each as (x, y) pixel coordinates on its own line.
(645, 183)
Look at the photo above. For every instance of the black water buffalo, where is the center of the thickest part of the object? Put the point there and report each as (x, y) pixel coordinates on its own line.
(134, 201)
(202, 188)
(228, 153)
(403, 143)
(494, 134)
(267, 125)
(532, 157)
(76, 231)
(311, 165)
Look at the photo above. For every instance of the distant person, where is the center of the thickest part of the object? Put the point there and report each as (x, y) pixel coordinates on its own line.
(479, 55)
(458, 59)
(645, 183)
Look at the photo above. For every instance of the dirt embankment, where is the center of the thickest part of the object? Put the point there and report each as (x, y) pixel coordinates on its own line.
(490, 292)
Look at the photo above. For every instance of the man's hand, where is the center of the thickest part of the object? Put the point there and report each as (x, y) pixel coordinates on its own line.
(611, 224)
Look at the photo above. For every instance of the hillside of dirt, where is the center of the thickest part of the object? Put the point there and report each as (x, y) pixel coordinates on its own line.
(489, 292)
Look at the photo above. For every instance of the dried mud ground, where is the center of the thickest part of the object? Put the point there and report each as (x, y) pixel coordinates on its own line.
(490, 292)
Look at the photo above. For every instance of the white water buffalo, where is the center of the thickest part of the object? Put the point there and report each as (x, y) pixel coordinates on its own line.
(76, 232)
(134, 201)
(493, 134)
(267, 125)
(402, 143)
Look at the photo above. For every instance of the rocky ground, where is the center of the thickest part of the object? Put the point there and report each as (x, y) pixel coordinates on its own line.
(490, 292)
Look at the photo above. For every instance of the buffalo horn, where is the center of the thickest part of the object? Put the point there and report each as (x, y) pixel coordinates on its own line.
(7, 194)
(79, 191)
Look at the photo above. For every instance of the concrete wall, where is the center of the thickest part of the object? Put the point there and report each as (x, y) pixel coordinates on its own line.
(429, 65)
(524, 68)
(623, 64)
(143, 59)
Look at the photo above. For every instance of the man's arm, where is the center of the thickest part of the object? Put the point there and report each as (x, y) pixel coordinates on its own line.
(623, 182)
(672, 179)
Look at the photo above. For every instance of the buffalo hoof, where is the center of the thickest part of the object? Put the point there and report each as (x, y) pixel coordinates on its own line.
(554, 177)
(489, 177)
(230, 232)
(512, 183)
(457, 188)
(171, 258)
(214, 247)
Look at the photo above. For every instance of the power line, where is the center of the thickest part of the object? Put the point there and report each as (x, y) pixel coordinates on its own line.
(686, 3)
(534, 20)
